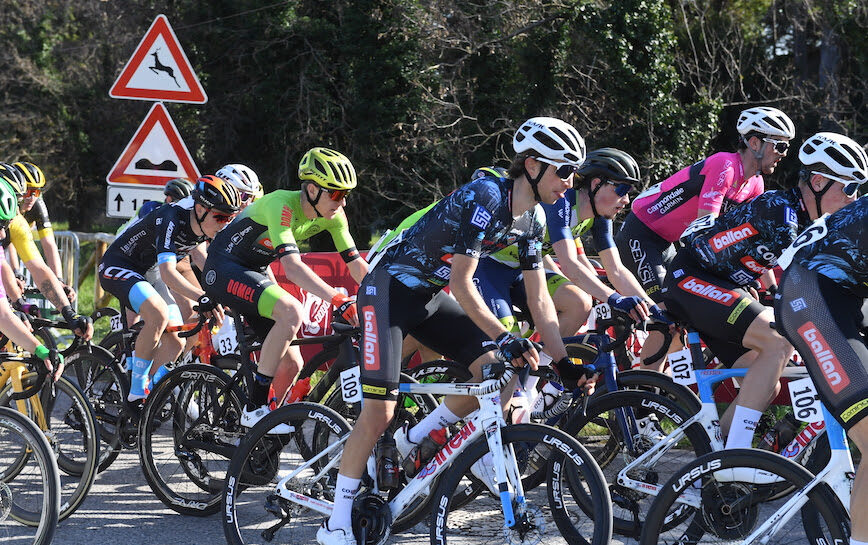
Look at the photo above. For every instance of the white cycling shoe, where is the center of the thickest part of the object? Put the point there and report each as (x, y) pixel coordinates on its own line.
(649, 427)
(251, 418)
(483, 469)
(746, 475)
(324, 536)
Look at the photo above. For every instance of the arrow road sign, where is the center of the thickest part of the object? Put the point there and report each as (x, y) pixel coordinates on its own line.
(124, 201)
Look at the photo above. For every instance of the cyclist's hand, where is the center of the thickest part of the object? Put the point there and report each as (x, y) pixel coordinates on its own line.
(346, 307)
(209, 308)
(80, 325)
(632, 305)
(576, 375)
(518, 350)
(70, 293)
(52, 359)
(25, 319)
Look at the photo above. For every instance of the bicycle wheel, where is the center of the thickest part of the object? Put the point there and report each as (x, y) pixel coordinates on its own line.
(729, 511)
(73, 435)
(600, 430)
(95, 373)
(564, 511)
(189, 430)
(253, 511)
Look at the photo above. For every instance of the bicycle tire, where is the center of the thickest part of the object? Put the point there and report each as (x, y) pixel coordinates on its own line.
(608, 447)
(74, 438)
(97, 374)
(185, 409)
(254, 470)
(730, 510)
(571, 459)
(22, 441)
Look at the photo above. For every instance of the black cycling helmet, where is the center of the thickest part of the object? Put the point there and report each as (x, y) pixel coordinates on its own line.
(178, 188)
(217, 193)
(611, 164)
(14, 178)
(482, 172)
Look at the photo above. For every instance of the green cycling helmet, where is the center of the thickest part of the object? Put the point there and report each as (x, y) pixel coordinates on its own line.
(8, 202)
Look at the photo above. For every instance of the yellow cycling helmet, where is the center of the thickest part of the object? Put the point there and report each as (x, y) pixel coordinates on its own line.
(13, 176)
(328, 169)
(32, 173)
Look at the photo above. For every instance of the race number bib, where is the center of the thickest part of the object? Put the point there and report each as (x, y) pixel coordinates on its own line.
(603, 311)
(116, 322)
(351, 384)
(812, 234)
(226, 341)
(699, 224)
(806, 402)
(682, 367)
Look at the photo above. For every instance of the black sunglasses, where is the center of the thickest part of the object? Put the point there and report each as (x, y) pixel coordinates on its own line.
(621, 188)
(563, 171)
(780, 146)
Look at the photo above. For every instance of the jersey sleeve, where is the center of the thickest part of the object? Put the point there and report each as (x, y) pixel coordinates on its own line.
(279, 225)
(344, 243)
(38, 215)
(719, 176)
(477, 200)
(601, 231)
(558, 220)
(530, 247)
(166, 224)
(22, 239)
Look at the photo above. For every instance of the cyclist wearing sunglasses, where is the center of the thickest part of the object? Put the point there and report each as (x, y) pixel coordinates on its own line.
(17, 233)
(163, 237)
(661, 213)
(237, 272)
(245, 180)
(708, 281)
(602, 184)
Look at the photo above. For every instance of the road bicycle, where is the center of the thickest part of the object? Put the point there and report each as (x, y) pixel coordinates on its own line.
(755, 496)
(61, 410)
(29, 482)
(191, 422)
(275, 483)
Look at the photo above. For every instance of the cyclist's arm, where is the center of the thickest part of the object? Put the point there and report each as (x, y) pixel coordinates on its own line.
(49, 248)
(300, 274)
(12, 257)
(542, 309)
(15, 329)
(462, 288)
(175, 280)
(582, 275)
(198, 255)
(47, 282)
(358, 269)
(619, 275)
(13, 290)
(344, 243)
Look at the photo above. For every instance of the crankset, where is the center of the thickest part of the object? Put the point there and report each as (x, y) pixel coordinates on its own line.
(372, 519)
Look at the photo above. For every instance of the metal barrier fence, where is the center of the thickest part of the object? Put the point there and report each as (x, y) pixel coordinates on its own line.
(69, 250)
(101, 243)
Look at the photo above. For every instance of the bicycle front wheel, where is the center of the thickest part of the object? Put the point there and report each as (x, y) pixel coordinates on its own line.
(29, 482)
(255, 509)
(571, 506)
(725, 496)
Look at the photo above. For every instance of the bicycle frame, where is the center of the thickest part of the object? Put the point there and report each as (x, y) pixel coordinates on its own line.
(13, 371)
(488, 420)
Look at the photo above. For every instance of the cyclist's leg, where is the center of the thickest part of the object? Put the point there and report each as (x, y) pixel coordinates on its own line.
(170, 345)
(804, 312)
(572, 304)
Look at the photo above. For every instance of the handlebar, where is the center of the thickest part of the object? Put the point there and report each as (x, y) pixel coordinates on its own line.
(33, 389)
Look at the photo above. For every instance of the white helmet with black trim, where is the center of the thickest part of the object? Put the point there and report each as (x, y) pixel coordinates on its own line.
(766, 120)
(552, 138)
(242, 177)
(841, 155)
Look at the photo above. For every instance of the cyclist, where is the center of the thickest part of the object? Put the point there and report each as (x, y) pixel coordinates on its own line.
(662, 212)
(818, 308)
(18, 234)
(602, 184)
(161, 238)
(708, 279)
(237, 272)
(33, 209)
(10, 324)
(403, 293)
(174, 191)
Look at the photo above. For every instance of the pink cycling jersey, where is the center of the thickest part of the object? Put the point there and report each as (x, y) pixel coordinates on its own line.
(712, 184)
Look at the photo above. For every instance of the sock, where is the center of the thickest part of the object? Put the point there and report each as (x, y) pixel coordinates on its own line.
(441, 417)
(744, 422)
(259, 390)
(140, 378)
(345, 492)
(857, 542)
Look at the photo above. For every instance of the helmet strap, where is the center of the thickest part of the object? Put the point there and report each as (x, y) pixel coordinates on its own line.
(200, 219)
(592, 194)
(314, 202)
(534, 181)
(757, 155)
(818, 195)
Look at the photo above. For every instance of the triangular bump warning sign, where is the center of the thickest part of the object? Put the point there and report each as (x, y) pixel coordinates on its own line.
(159, 70)
(155, 155)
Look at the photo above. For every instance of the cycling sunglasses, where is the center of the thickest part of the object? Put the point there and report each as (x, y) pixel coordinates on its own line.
(222, 218)
(780, 146)
(621, 188)
(336, 195)
(33, 193)
(850, 187)
(245, 196)
(563, 171)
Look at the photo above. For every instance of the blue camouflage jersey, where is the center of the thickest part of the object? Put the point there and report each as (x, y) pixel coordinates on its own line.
(474, 220)
(747, 240)
(835, 246)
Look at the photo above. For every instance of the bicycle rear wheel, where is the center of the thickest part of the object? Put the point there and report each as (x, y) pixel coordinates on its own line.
(29, 482)
(729, 510)
(254, 512)
(189, 430)
(572, 506)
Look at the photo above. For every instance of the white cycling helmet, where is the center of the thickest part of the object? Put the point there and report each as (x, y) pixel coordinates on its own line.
(552, 138)
(841, 155)
(241, 177)
(766, 120)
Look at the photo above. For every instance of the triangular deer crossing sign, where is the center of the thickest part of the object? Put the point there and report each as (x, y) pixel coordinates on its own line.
(159, 70)
(155, 155)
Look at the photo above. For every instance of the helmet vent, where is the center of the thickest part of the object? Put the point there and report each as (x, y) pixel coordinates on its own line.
(320, 167)
(547, 141)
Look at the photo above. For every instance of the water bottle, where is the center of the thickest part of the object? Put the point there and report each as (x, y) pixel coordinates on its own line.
(547, 397)
(299, 390)
(520, 407)
(388, 460)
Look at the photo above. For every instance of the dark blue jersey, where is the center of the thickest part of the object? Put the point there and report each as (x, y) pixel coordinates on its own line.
(474, 220)
(836, 247)
(747, 240)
